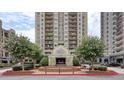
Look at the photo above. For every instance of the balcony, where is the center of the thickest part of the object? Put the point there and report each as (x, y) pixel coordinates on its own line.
(49, 26)
(73, 42)
(49, 38)
(119, 37)
(72, 46)
(48, 46)
(73, 21)
(72, 30)
(119, 49)
(49, 30)
(119, 32)
(72, 26)
(49, 14)
(48, 18)
(48, 21)
(72, 38)
(48, 34)
(49, 43)
(119, 43)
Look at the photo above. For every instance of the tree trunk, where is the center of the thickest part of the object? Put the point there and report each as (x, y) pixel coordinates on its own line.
(92, 63)
(23, 68)
(34, 61)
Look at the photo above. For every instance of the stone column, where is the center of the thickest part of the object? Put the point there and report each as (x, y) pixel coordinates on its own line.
(69, 60)
(52, 61)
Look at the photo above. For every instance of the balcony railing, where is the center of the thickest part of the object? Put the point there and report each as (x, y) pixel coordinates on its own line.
(119, 49)
(119, 37)
(119, 43)
(119, 32)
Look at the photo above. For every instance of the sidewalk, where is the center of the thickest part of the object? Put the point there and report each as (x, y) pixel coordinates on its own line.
(116, 69)
(4, 70)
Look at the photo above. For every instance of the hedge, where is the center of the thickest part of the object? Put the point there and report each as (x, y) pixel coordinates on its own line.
(2, 65)
(76, 62)
(18, 68)
(102, 68)
(44, 61)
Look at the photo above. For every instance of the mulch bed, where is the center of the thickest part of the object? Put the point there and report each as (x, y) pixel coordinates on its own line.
(101, 72)
(10, 72)
(87, 73)
(59, 69)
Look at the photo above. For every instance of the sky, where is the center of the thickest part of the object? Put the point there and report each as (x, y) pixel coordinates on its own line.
(24, 23)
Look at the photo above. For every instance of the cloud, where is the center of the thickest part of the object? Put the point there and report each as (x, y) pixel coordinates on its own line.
(29, 14)
(17, 20)
(22, 22)
(28, 33)
(94, 24)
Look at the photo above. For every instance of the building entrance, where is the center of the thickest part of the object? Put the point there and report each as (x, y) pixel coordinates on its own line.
(60, 61)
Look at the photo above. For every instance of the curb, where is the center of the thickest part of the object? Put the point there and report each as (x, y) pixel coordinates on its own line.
(114, 74)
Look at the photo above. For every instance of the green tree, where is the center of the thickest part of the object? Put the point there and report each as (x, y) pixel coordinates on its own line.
(18, 47)
(35, 53)
(91, 48)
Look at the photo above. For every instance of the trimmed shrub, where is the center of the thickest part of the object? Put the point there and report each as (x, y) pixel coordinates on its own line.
(28, 63)
(101, 68)
(37, 65)
(95, 68)
(76, 62)
(1, 66)
(17, 68)
(28, 67)
(44, 61)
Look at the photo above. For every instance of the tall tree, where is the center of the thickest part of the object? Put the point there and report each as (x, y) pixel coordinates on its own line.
(19, 48)
(91, 49)
(36, 52)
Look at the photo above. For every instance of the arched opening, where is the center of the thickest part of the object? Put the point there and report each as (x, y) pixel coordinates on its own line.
(60, 56)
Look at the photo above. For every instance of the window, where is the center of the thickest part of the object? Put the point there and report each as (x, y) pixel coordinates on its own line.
(65, 23)
(65, 14)
(38, 25)
(56, 28)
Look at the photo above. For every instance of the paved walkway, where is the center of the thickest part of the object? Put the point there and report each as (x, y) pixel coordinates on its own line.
(118, 77)
(117, 69)
(4, 70)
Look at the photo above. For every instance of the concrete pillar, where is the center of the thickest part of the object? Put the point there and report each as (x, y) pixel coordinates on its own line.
(123, 59)
(69, 61)
(102, 59)
(52, 61)
(8, 61)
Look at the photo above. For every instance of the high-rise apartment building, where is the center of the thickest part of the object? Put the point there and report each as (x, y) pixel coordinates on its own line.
(112, 33)
(4, 55)
(60, 29)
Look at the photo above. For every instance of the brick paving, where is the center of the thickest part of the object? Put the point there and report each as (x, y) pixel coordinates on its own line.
(117, 77)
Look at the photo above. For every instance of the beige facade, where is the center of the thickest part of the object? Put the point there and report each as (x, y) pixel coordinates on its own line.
(60, 52)
(4, 55)
(55, 29)
(112, 33)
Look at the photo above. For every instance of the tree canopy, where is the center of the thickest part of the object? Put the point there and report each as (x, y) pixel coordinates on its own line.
(20, 47)
(91, 48)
